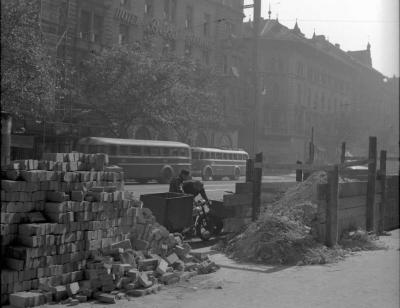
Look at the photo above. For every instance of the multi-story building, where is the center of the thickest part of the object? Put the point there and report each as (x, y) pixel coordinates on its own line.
(205, 30)
(311, 85)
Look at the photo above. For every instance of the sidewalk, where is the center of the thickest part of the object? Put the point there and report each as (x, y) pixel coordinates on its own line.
(366, 279)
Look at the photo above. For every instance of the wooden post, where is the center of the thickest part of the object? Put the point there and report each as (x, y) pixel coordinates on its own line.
(257, 179)
(6, 123)
(382, 205)
(343, 153)
(299, 173)
(249, 170)
(332, 207)
(371, 186)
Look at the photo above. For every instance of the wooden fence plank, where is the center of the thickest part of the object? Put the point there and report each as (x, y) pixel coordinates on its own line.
(382, 204)
(257, 179)
(332, 207)
(371, 186)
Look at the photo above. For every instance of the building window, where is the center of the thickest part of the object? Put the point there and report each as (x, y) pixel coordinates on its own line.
(123, 36)
(275, 91)
(149, 7)
(300, 69)
(310, 74)
(188, 49)
(85, 22)
(206, 57)
(98, 28)
(166, 9)
(189, 18)
(126, 4)
(206, 25)
(225, 64)
(298, 94)
(173, 10)
(168, 47)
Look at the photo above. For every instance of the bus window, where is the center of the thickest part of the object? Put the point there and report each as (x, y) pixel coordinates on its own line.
(183, 152)
(92, 149)
(195, 155)
(154, 151)
(235, 156)
(174, 151)
(219, 156)
(211, 155)
(146, 151)
(134, 150)
(113, 149)
(82, 148)
(225, 156)
(165, 151)
(123, 150)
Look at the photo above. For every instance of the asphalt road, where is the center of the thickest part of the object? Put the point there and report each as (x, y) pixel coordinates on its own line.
(214, 189)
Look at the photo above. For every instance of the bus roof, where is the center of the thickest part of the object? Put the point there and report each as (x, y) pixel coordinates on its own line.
(118, 141)
(218, 150)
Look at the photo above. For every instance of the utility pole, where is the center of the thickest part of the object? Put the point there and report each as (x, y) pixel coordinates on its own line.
(256, 32)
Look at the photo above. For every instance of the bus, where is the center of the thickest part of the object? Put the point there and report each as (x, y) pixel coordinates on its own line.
(141, 160)
(211, 163)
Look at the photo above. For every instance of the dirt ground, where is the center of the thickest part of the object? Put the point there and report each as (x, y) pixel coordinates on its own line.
(365, 279)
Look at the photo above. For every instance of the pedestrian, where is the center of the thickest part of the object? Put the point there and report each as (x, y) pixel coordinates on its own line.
(195, 188)
(175, 185)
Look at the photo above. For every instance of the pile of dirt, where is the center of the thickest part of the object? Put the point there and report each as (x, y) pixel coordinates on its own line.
(282, 234)
(297, 203)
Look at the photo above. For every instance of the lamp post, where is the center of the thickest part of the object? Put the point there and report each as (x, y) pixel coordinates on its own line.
(256, 29)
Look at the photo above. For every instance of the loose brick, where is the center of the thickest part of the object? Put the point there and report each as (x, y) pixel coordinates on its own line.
(172, 258)
(73, 288)
(144, 280)
(106, 298)
(126, 244)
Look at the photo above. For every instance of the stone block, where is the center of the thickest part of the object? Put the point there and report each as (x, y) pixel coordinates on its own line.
(73, 288)
(59, 293)
(125, 244)
(144, 280)
(172, 258)
(162, 267)
(106, 298)
(148, 264)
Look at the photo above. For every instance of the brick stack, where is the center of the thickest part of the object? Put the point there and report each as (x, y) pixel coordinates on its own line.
(66, 220)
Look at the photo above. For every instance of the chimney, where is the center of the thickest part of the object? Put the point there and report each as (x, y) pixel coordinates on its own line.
(337, 45)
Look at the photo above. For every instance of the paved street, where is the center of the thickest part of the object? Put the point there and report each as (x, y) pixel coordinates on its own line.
(214, 189)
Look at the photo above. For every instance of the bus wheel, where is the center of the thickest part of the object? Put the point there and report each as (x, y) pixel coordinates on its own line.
(166, 176)
(207, 175)
(236, 175)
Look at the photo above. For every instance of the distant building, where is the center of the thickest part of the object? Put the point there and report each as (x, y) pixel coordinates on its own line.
(312, 83)
(204, 30)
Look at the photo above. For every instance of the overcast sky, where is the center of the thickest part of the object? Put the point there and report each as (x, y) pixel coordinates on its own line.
(351, 23)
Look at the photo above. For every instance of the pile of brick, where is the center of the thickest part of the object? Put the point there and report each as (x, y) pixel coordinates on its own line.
(69, 230)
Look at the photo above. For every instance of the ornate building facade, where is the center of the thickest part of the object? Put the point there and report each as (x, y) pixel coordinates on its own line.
(311, 85)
